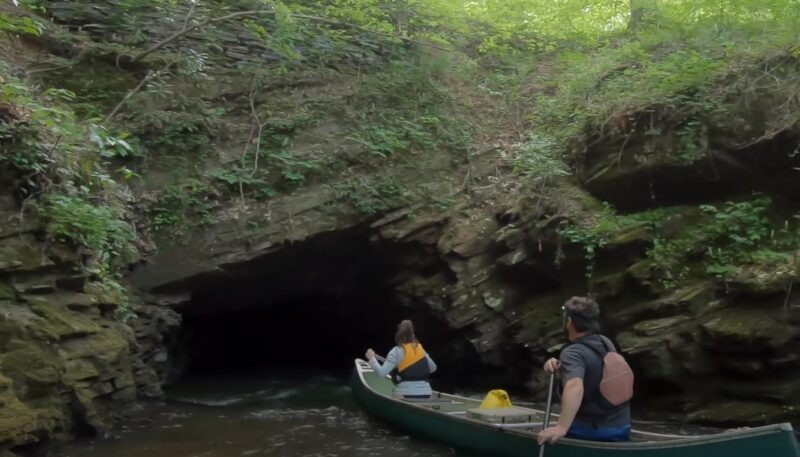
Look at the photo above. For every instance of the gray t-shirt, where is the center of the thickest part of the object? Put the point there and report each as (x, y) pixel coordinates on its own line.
(578, 361)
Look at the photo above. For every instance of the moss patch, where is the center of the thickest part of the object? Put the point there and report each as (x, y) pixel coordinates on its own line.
(59, 320)
(105, 345)
(6, 291)
(742, 412)
(31, 366)
(22, 253)
(747, 330)
(17, 421)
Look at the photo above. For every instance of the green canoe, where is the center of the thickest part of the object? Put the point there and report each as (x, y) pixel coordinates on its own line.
(511, 432)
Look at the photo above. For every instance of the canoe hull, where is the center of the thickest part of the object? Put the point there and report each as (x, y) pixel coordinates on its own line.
(476, 438)
(437, 427)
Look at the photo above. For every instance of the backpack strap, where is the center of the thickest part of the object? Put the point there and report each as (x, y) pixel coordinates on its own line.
(595, 395)
(602, 355)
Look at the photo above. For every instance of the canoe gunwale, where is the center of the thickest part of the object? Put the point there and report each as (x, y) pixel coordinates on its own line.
(677, 442)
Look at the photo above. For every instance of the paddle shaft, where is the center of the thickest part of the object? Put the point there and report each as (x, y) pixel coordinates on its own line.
(548, 409)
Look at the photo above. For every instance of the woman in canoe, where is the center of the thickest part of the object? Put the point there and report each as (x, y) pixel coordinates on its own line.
(412, 364)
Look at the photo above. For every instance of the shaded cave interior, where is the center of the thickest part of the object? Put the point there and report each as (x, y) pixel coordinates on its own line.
(318, 304)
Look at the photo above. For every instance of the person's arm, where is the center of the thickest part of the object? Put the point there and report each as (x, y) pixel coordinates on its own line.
(573, 368)
(392, 358)
(571, 400)
(431, 364)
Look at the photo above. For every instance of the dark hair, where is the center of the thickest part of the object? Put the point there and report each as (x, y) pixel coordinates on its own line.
(405, 333)
(584, 313)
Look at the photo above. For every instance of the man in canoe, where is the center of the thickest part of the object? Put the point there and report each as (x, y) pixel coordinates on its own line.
(597, 382)
(412, 364)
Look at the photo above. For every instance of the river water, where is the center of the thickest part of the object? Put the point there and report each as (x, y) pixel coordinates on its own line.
(290, 414)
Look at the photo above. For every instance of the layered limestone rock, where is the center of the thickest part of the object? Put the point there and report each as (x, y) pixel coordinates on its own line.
(502, 276)
(66, 363)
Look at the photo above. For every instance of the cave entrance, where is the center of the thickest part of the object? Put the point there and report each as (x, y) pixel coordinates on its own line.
(318, 304)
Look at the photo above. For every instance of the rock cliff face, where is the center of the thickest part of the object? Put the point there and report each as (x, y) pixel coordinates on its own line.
(66, 364)
(483, 259)
(701, 348)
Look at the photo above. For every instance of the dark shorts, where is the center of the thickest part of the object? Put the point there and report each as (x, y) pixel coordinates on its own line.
(589, 433)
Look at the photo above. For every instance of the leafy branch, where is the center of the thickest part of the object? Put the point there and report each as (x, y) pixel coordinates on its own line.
(256, 13)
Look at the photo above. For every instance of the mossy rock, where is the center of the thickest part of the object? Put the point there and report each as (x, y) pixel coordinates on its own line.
(468, 239)
(631, 343)
(662, 327)
(692, 357)
(747, 331)
(696, 297)
(638, 233)
(587, 200)
(608, 285)
(22, 253)
(650, 357)
(105, 345)
(33, 370)
(37, 284)
(785, 391)
(71, 300)
(59, 319)
(494, 297)
(12, 225)
(643, 273)
(20, 322)
(18, 423)
(6, 291)
(664, 349)
(767, 279)
(79, 370)
(741, 412)
(693, 297)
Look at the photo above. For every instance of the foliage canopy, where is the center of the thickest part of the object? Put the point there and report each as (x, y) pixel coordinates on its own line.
(550, 70)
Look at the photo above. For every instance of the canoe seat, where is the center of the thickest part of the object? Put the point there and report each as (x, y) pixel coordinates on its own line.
(508, 415)
(445, 406)
(425, 402)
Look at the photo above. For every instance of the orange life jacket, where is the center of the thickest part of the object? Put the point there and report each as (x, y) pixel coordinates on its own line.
(414, 366)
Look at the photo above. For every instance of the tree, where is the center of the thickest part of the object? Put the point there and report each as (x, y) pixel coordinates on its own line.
(643, 13)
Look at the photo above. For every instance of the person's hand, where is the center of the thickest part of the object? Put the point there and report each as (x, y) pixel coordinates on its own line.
(551, 366)
(370, 354)
(551, 434)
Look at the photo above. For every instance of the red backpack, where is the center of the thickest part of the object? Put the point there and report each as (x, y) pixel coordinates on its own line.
(616, 384)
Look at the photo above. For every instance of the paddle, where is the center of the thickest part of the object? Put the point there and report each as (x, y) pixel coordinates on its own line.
(547, 410)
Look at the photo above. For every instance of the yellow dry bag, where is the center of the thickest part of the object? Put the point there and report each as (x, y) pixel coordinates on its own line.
(497, 398)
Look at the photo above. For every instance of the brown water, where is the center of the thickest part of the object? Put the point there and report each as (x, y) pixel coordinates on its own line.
(287, 415)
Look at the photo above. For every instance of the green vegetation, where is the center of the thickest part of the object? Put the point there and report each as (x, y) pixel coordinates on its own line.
(727, 238)
(606, 226)
(370, 197)
(298, 95)
(183, 205)
(58, 166)
(718, 241)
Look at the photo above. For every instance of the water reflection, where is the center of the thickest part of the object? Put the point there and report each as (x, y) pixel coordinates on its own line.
(288, 414)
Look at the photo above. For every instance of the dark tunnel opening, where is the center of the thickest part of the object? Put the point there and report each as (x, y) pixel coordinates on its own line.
(319, 304)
